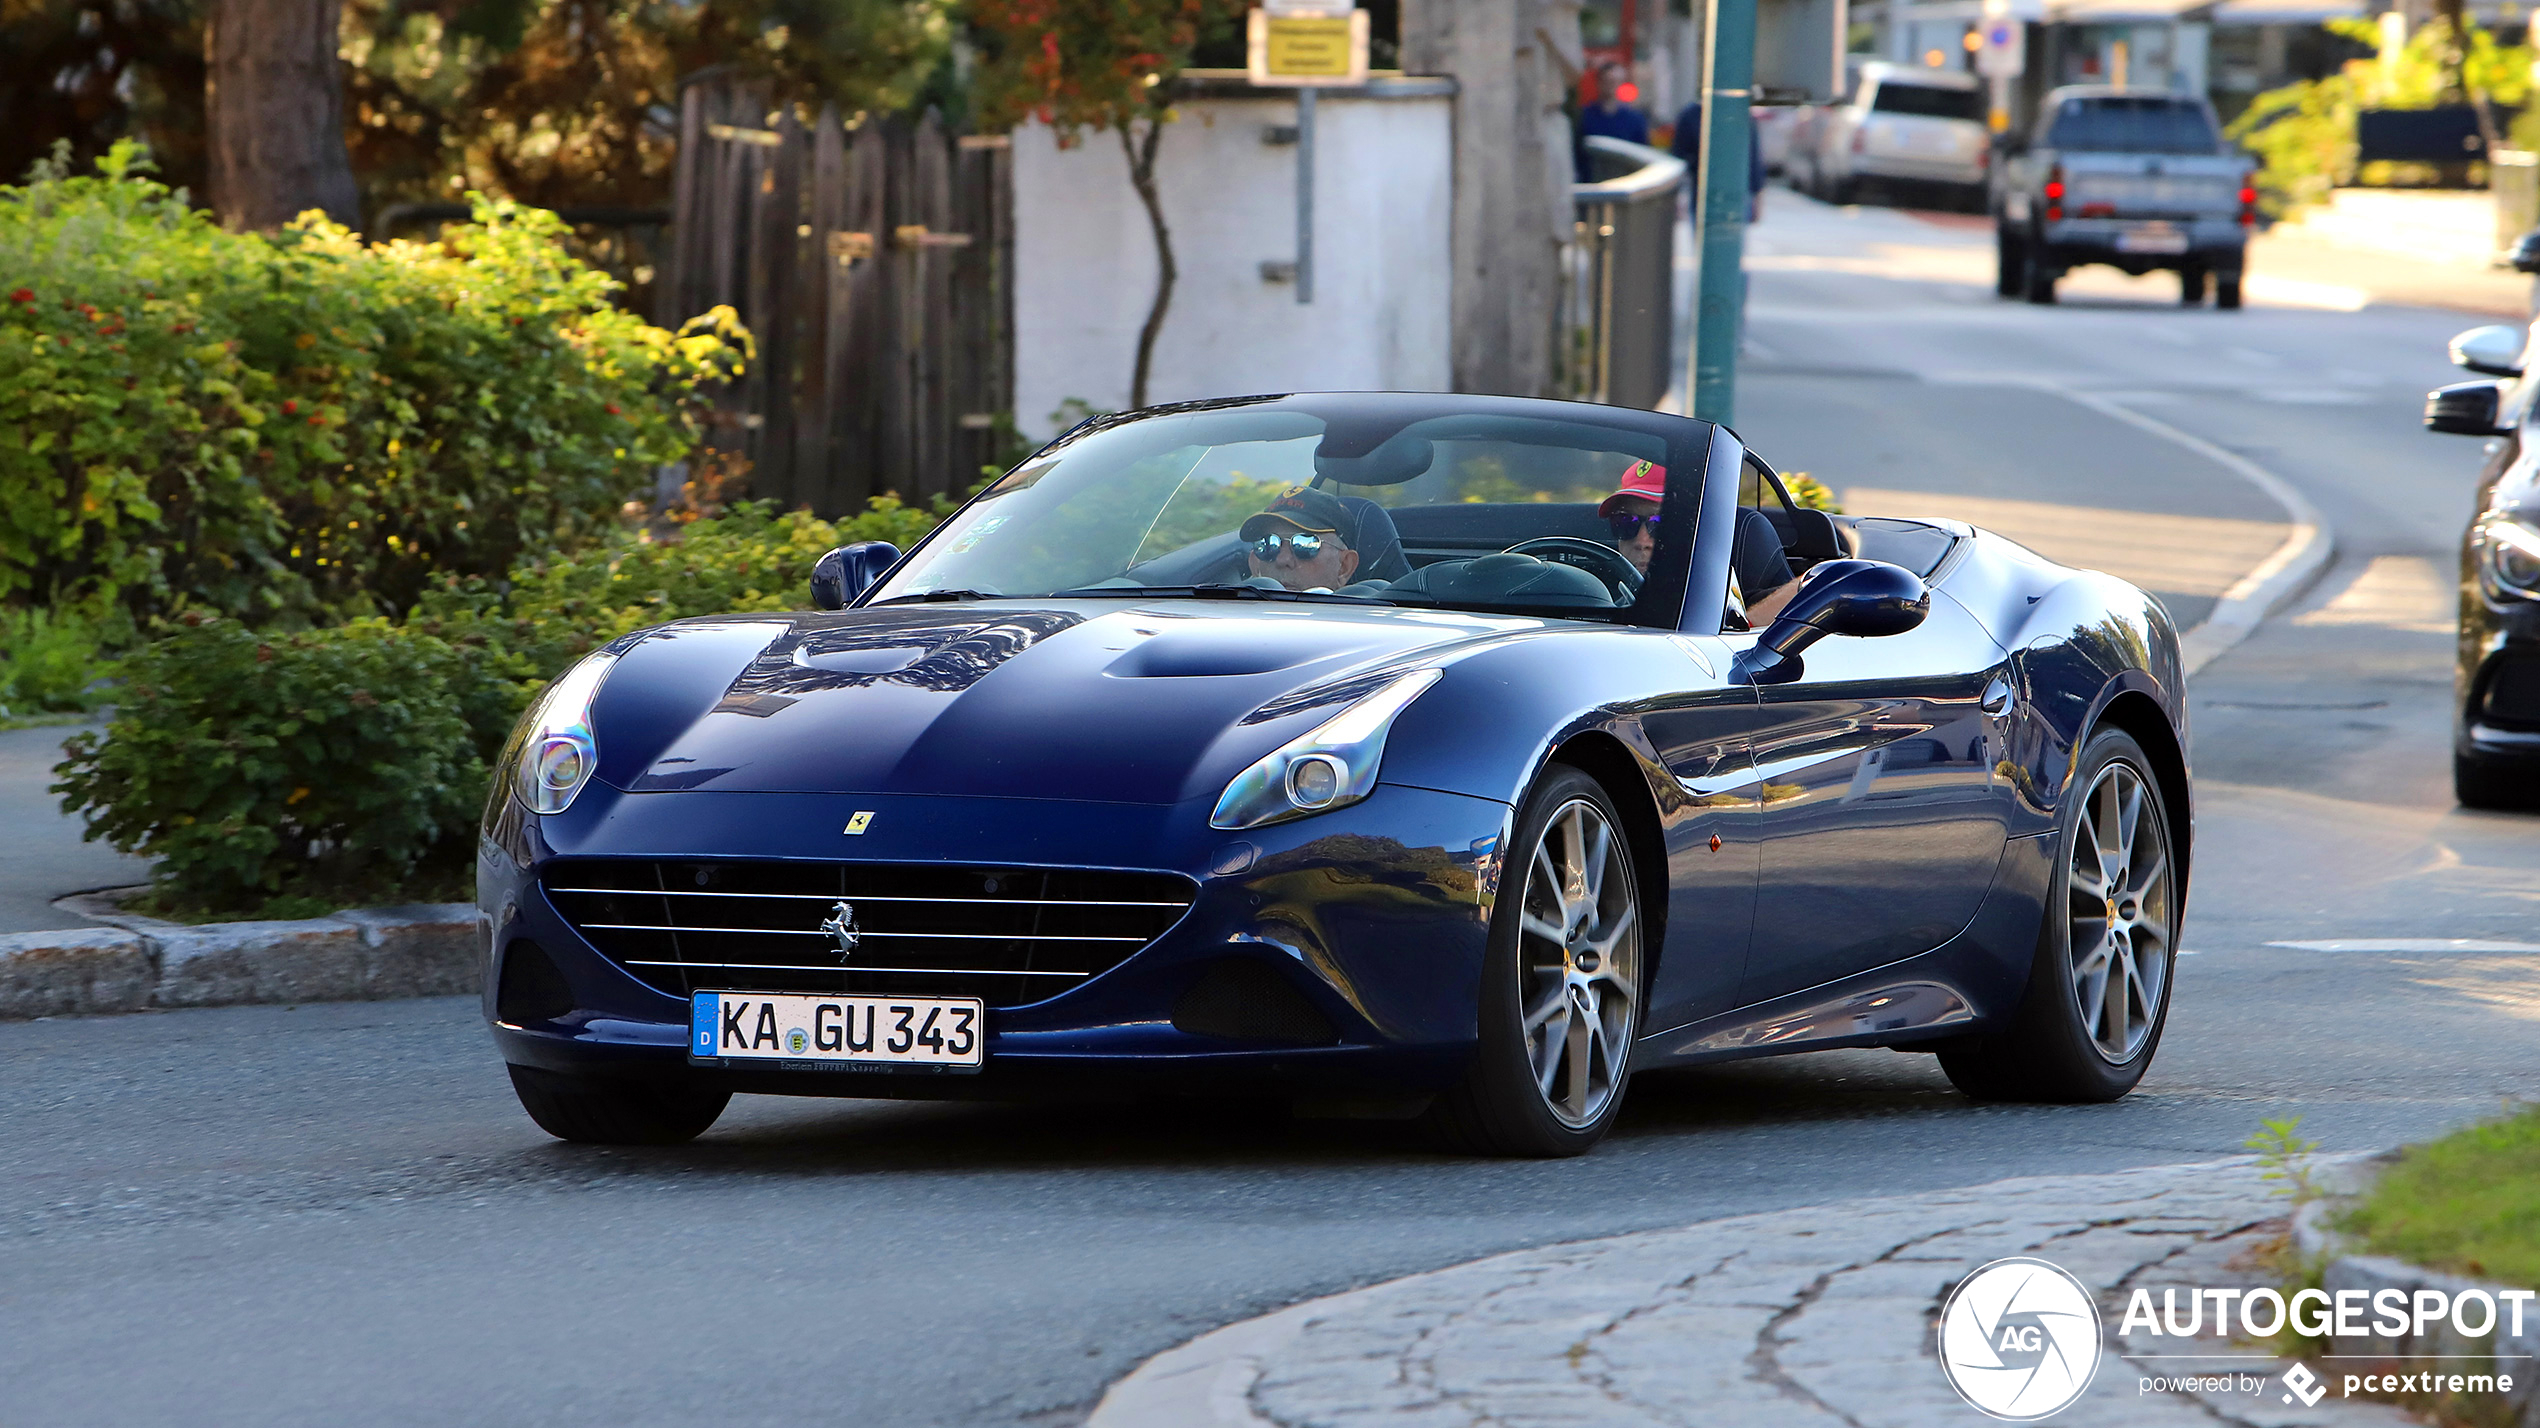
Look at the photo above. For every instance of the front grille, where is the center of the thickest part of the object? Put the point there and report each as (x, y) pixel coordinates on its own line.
(1007, 936)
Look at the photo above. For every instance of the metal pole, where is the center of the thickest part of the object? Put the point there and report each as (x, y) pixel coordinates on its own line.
(1719, 212)
(1305, 195)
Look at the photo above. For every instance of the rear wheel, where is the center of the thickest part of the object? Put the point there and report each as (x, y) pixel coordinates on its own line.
(2010, 263)
(2099, 988)
(2191, 286)
(2038, 273)
(2227, 292)
(2506, 787)
(1560, 983)
(614, 1111)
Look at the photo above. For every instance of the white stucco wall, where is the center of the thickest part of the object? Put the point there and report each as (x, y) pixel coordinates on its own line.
(1085, 263)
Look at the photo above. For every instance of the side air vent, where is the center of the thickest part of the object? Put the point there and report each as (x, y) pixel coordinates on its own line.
(1243, 1000)
(531, 989)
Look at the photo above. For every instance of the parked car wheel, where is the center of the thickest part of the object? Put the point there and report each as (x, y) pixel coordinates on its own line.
(1561, 984)
(2191, 286)
(1843, 191)
(2038, 274)
(2099, 989)
(612, 1111)
(2494, 784)
(2010, 263)
(2227, 293)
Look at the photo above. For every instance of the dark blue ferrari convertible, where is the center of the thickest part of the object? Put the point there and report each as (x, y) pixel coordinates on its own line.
(1425, 755)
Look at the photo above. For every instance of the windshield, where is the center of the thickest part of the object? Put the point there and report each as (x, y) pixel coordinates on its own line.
(1506, 505)
(1932, 101)
(2132, 126)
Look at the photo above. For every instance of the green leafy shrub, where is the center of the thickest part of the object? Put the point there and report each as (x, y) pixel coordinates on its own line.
(258, 764)
(302, 425)
(50, 661)
(2462, 1203)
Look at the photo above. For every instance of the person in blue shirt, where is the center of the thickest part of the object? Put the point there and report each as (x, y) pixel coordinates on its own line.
(1609, 116)
(1687, 145)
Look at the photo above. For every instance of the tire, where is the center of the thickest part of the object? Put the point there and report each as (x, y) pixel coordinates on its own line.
(2227, 293)
(2037, 274)
(612, 1111)
(2080, 1034)
(1563, 955)
(2010, 264)
(2191, 287)
(1843, 192)
(2495, 784)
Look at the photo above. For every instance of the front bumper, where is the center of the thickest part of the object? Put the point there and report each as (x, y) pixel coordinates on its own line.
(2499, 678)
(1376, 913)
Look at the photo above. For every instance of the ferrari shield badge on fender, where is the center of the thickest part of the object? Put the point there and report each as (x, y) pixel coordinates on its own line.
(860, 822)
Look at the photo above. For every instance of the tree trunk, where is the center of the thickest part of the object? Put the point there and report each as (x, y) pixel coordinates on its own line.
(274, 108)
(1141, 154)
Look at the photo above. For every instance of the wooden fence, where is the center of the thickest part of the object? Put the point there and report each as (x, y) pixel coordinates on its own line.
(872, 261)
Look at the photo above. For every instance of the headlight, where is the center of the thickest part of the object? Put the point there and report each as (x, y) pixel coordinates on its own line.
(558, 754)
(2513, 558)
(1330, 766)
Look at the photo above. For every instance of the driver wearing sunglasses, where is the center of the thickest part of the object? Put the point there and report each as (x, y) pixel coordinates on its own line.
(1761, 567)
(1297, 541)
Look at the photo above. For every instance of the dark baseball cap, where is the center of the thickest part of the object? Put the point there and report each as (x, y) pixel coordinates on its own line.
(1300, 508)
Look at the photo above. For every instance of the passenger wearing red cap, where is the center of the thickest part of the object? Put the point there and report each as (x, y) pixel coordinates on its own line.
(1759, 565)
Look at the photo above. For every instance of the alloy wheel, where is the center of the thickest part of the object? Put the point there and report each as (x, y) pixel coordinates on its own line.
(1578, 963)
(2120, 908)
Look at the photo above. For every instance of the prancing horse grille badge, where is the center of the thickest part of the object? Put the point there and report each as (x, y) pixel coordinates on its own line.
(841, 925)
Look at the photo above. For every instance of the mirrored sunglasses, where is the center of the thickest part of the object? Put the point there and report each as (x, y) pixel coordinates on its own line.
(1306, 544)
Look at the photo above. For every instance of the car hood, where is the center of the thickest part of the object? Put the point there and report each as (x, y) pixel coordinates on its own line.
(1147, 702)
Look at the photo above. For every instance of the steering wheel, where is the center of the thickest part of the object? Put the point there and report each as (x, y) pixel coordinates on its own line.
(1602, 561)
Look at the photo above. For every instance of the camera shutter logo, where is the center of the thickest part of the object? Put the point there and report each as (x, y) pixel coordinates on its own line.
(2020, 1339)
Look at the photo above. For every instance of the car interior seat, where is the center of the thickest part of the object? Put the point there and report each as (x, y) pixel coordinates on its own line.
(1378, 543)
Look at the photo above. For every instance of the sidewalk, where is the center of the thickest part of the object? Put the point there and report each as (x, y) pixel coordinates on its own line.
(41, 855)
(1803, 1317)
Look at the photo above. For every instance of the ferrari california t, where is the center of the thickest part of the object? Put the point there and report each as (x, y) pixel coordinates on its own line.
(1423, 755)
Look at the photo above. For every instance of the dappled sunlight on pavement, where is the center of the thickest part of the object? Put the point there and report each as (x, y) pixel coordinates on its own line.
(2191, 555)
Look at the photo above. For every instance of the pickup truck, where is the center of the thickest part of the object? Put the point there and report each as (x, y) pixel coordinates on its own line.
(2132, 179)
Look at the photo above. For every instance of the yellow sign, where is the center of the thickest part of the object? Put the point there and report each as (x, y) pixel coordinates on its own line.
(1307, 49)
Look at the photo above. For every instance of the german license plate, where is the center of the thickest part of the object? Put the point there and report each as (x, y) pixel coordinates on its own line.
(2152, 238)
(792, 1031)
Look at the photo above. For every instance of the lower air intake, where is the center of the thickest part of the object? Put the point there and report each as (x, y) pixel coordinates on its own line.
(1242, 1000)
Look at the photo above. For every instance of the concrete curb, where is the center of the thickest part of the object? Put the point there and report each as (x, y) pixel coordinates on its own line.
(361, 954)
(2442, 1348)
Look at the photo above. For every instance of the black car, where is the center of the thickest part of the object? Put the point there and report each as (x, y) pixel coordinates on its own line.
(2496, 734)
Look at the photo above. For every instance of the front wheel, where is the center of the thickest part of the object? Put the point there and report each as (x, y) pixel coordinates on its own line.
(2099, 986)
(2010, 262)
(2191, 286)
(1561, 983)
(608, 1111)
(2227, 293)
(2495, 784)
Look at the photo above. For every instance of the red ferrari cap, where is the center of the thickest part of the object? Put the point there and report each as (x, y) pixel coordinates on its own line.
(1645, 479)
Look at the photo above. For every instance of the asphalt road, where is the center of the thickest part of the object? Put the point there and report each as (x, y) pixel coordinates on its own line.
(335, 1213)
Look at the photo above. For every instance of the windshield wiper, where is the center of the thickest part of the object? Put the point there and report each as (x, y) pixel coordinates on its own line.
(938, 597)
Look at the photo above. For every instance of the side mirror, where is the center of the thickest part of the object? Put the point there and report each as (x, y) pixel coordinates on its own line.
(849, 571)
(2467, 409)
(2525, 257)
(2496, 351)
(1865, 598)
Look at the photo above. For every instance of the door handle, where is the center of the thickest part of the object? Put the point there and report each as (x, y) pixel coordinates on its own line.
(1999, 697)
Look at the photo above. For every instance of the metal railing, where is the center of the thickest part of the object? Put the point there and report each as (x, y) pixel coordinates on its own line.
(1616, 342)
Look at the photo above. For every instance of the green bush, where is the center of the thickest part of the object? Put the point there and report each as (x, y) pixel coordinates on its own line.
(254, 764)
(337, 760)
(50, 661)
(302, 425)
